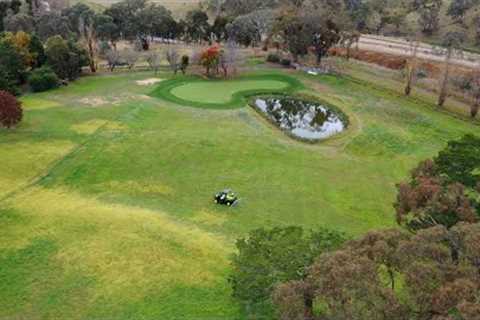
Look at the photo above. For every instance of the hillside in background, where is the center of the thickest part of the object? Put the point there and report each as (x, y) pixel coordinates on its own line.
(178, 7)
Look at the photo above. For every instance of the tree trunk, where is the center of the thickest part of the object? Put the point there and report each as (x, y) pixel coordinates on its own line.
(444, 87)
(308, 301)
(391, 274)
(91, 53)
(474, 109)
(411, 69)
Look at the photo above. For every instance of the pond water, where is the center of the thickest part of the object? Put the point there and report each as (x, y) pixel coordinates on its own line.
(303, 119)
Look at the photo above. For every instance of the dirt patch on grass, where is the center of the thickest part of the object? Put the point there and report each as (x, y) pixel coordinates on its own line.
(149, 82)
(94, 101)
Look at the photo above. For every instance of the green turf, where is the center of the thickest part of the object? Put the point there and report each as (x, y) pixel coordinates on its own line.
(105, 192)
(223, 94)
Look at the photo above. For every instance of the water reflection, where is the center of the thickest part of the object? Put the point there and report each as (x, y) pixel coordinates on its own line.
(303, 119)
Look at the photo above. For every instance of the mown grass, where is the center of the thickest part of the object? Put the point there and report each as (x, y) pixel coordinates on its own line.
(106, 208)
(223, 94)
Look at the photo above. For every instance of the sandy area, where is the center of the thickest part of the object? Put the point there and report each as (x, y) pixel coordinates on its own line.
(149, 82)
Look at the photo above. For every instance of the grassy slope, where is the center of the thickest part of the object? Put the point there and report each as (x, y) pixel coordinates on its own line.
(106, 211)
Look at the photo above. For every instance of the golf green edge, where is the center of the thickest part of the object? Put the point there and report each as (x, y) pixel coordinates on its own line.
(238, 99)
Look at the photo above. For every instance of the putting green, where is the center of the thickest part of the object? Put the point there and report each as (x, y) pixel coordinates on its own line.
(197, 92)
(221, 92)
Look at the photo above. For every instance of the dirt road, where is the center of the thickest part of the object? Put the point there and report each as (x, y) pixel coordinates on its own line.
(401, 47)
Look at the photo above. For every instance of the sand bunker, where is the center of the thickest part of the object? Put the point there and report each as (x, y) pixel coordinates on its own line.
(149, 82)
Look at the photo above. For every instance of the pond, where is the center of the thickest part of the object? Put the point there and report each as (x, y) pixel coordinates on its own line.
(307, 120)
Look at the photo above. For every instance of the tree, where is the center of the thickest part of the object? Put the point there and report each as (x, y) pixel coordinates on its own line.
(458, 9)
(216, 6)
(438, 270)
(474, 92)
(440, 190)
(20, 41)
(460, 161)
(154, 61)
(241, 7)
(19, 22)
(6, 82)
(429, 14)
(347, 39)
(11, 112)
(219, 28)
(12, 65)
(107, 30)
(324, 36)
(43, 79)
(130, 57)
(125, 16)
(197, 25)
(452, 43)
(381, 247)
(297, 35)
(210, 59)
(428, 200)
(267, 257)
(153, 20)
(243, 31)
(173, 58)
(52, 24)
(37, 51)
(65, 58)
(228, 58)
(252, 28)
(113, 59)
(185, 62)
(82, 20)
(8, 7)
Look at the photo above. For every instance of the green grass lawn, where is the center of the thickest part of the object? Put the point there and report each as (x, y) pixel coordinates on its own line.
(220, 93)
(106, 204)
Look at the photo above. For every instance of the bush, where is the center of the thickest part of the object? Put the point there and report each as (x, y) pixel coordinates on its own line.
(6, 84)
(43, 79)
(273, 58)
(286, 62)
(11, 112)
(184, 63)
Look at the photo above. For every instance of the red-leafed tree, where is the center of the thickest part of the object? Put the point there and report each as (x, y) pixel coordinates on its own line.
(11, 112)
(210, 59)
(429, 199)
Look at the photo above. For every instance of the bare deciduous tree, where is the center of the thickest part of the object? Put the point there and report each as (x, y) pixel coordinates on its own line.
(228, 58)
(130, 57)
(154, 61)
(173, 57)
(87, 31)
(113, 59)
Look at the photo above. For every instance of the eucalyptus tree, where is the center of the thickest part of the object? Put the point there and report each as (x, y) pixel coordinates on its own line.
(452, 47)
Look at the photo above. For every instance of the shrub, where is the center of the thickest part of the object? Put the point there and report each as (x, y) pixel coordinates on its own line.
(286, 62)
(43, 79)
(210, 59)
(11, 112)
(273, 58)
(6, 84)
(184, 63)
